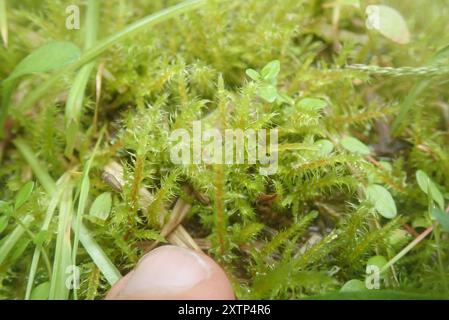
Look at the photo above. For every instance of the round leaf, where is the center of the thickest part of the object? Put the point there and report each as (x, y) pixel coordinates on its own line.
(253, 74)
(312, 103)
(271, 70)
(427, 185)
(355, 146)
(101, 206)
(268, 93)
(325, 147)
(389, 22)
(442, 217)
(382, 200)
(353, 285)
(378, 261)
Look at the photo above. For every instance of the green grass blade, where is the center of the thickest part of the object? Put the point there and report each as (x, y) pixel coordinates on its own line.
(74, 104)
(107, 43)
(54, 201)
(10, 241)
(82, 204)
(41, 173)
(4, 22)
(62, 260)
(98, 256)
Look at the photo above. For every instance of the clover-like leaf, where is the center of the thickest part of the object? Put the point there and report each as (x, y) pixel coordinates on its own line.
(382, 200)
(253, 74)
(442, 217)
(101, 206)
(268, 92)
(271, 70)
(429, 187)
(389, 22)
(353, 285)
(378, 261)
(325, 147)
(312, 103)
(355, 146)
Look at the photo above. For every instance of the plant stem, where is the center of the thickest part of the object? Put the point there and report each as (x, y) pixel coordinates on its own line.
(407, 249)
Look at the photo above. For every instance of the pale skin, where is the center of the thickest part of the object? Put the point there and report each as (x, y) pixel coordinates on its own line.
(173, 273)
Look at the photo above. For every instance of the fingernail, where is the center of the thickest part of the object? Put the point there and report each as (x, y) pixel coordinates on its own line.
(167, 270)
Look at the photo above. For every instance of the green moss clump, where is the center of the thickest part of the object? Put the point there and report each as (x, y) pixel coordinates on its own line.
(302, 232)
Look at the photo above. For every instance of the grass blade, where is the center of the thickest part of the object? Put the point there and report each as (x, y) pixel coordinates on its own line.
(75, 99)
(4, 22)
(107, 268)
(62, 260)
(42, 175)
(82, 203)
(54, 201)
(10, 241)
(97, 254)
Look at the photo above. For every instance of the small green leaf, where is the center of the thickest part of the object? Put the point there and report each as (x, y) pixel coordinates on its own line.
(268, 93)
(23, 194)
(427, 185)
(353, 285)
(378, 261)
(41, 292)
(325, 147)
(386, 166)
(253, 74)
(442, 218)
(355, 146)
(420, 222)
(101, 206)
(51, 56)
(382, 200)
(312, 103)
(271, 70)
(282, 97)
(389, 22)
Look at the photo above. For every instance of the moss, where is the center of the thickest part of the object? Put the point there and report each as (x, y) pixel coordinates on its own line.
(301, 232)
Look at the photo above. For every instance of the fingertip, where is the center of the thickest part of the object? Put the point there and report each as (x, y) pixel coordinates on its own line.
(171, 272)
